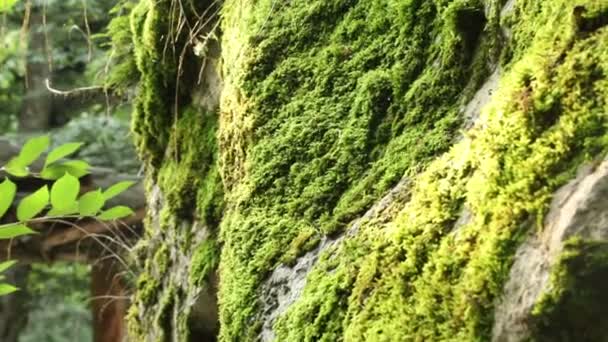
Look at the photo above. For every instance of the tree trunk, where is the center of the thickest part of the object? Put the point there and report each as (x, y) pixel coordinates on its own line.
(36, 107)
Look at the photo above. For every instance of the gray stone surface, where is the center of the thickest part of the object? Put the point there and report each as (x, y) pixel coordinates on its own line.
(578, 209)
(482, 97)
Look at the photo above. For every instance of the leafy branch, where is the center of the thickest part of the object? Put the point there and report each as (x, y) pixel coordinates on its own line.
(62, 200)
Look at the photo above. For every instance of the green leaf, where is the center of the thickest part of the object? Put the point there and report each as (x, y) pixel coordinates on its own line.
(6, 5)
(53, 172)
(6, 265)
(61, 152)
(13, 231)
(117, 189)
(115, 213)
(76, 168)
(91, 203)
(64, 192)
(14, 169)
(32, 150)
(7, 289)
(69, 210)
(8, 190)
(33, 204)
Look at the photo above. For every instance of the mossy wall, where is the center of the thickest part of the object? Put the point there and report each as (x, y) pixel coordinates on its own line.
(325, 106)
(175, 133)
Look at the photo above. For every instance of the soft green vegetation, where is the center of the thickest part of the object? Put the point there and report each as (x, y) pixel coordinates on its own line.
(72, 49)
(417, 278)
(338, 106)
(123, 73)
(59, 309)
(190, 183)
(177, 139)
(152, 114)
(326, 105)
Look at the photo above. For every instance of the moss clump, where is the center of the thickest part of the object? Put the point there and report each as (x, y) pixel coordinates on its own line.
(152, 111)
(162, 93)
(147, 287)
(189, 176)
(161, 258)
(416, 278)
(305, 241)
(123, 70)
(576, 307)
(327, 105)
(184, 229)
(204, 263)
(177, 142)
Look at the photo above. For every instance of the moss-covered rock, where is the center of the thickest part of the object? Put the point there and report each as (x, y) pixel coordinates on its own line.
(575, 308)
(175, 133)
(325, 106)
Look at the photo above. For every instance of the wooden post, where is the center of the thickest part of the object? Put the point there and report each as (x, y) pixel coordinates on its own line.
(109, 303)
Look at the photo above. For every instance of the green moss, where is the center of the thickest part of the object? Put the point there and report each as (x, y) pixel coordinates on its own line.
(575, 309)
(189, 177)
(123, 69)
(147, 288)
(416, 278)
(161, 259)
(162, 95)
(134, 327)
(152, 108)
(192, 204)
(177, 142)
(332, 117)
(204, 263)
(326, 105)
(305, 241)
(163, 315)
(338, 101)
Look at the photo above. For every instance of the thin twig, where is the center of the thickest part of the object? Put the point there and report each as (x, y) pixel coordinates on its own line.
(71, 92)
(88, 27)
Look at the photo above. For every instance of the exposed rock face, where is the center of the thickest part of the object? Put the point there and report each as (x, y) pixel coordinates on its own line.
(578, 209)
(482, 97)
(372, 169)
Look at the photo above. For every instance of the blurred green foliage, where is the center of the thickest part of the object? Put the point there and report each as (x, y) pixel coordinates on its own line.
(79, 57)
(59, 310)
(73, 50)
(107, 142)
(12, 72)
